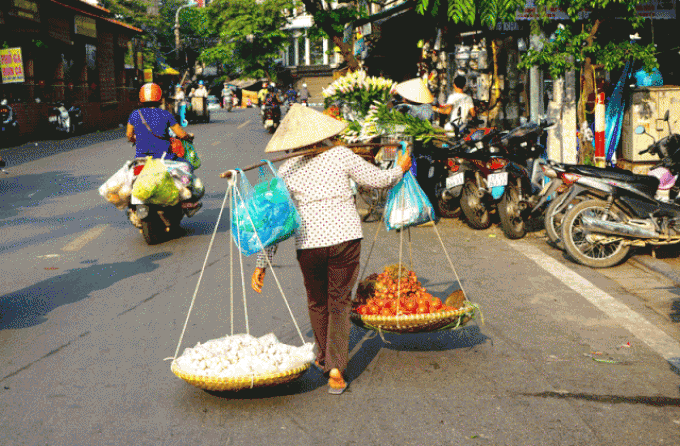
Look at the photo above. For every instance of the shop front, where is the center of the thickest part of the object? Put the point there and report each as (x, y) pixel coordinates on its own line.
(70, 52)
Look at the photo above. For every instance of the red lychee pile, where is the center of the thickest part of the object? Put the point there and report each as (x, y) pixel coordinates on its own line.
(395, 292)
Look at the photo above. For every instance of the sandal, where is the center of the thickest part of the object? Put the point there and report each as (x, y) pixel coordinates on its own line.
(337, 384)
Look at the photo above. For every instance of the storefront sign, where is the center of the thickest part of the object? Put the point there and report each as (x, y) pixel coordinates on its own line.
(60, 29)
(86, 26)
(26, 9)
(148, 75)
(12, 65)
(655, 9)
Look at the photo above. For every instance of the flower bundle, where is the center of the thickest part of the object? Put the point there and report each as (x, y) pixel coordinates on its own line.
(358, 92)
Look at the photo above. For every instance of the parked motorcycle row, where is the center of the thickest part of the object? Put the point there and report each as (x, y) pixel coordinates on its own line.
(61, 121)
(597, 215)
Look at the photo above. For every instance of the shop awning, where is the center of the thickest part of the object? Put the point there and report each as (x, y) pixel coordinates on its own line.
(167, 69)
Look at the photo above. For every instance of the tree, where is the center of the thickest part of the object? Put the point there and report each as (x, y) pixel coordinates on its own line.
(582, 45)
(250, 35)
(331, 20)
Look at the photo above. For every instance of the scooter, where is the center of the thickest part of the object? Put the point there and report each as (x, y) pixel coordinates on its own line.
(156, 222)
(599, 232)
(271, 117)
(525, 178)
(65, 120)
(9, 127)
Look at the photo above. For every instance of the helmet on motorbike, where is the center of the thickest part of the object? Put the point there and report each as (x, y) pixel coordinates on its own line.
(200, 82)
(150, 93)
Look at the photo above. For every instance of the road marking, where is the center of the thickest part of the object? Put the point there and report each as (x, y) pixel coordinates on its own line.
(84, 239)
(240, 126)
(655, 338)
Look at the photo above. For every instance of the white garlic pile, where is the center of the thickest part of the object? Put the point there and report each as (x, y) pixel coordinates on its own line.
(244, 355)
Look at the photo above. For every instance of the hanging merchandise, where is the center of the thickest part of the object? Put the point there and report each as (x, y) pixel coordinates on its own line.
(395, 301)
(191, 155)
(118, 189)
(407, 205)
(614, 115)
(155, 185)
(264, 214)
(241, 361)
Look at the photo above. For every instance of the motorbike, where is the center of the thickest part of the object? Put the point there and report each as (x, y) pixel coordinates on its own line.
(271, 117)
(525, 179)
(65, 121)
(157, 222)
(304, 102)
(621, 214)
(9, 127)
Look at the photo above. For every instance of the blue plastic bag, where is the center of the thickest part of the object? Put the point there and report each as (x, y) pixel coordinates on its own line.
(407, 205)
(262, 215)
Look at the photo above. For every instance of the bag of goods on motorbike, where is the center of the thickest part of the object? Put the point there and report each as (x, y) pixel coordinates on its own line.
(263, 215)
(407, 205)
(242, 361)
(191, 155)
(118, 188)
(155, 185)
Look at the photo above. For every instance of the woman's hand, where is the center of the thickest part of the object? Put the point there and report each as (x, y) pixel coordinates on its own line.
(257, 280)
(404, 161)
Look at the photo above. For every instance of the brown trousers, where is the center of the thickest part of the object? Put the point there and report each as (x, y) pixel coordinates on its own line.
(329, 274)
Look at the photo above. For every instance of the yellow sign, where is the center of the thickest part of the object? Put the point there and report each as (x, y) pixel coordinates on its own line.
(148, 75)
(86, 26)
(252, 95)
(12, 65)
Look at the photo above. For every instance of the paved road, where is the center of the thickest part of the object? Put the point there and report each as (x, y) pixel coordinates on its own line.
(566, 355)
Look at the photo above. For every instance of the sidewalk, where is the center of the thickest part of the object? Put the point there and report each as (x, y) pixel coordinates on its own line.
(664, 299)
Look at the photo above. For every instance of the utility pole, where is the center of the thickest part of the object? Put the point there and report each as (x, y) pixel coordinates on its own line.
(177, 41)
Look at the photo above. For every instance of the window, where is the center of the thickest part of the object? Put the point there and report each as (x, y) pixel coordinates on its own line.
(316, 52)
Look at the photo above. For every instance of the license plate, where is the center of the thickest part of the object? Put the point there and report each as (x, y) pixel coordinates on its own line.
(497, 179)
(269, 122)
(455, 180)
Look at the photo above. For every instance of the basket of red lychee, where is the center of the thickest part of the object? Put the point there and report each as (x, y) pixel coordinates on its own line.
(395, 301)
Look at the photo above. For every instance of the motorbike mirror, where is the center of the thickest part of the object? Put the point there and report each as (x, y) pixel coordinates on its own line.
(639, 130)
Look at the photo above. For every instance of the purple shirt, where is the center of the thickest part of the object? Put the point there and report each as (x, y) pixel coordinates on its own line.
(159, 121)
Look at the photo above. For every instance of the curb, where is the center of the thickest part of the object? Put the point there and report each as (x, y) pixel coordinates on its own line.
(660, 267)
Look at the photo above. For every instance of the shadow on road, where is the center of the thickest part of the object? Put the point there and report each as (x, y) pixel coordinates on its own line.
(34, 150)
(465, 337)
(29, 306)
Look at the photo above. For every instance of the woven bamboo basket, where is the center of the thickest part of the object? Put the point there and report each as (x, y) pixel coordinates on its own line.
(418, 323)
(240, 383)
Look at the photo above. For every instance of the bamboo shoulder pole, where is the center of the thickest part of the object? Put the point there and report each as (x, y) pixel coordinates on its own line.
(297, 153)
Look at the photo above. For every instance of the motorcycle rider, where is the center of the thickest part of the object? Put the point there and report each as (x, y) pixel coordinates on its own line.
(291, 94)
(304, 94)
(262, 95)
(148, 127)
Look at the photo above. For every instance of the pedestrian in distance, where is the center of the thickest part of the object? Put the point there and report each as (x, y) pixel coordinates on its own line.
(417, 99)
(181, 106)
(304, 94)
(328, 240)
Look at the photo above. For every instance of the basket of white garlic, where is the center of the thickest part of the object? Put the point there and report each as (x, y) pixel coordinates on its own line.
(241, 362)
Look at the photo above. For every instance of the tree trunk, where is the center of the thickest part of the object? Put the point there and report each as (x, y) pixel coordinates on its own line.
(512, 82)
(587, 80)
(313, 7)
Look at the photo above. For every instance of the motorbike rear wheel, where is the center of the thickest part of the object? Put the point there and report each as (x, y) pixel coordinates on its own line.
(153, 230)
(473, 207)
(447, 208)
(513, 225)
(581, 244)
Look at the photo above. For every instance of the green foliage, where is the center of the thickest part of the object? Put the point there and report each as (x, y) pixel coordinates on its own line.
(486, 13)
(569, 46)
(250, 35)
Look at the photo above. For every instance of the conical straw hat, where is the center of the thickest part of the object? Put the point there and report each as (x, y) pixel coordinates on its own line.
(302, 127)
(415, 90)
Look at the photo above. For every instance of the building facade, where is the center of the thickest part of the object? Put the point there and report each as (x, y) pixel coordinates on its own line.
(73, 52)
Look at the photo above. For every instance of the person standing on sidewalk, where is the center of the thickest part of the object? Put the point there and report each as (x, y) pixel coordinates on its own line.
(328, 240)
